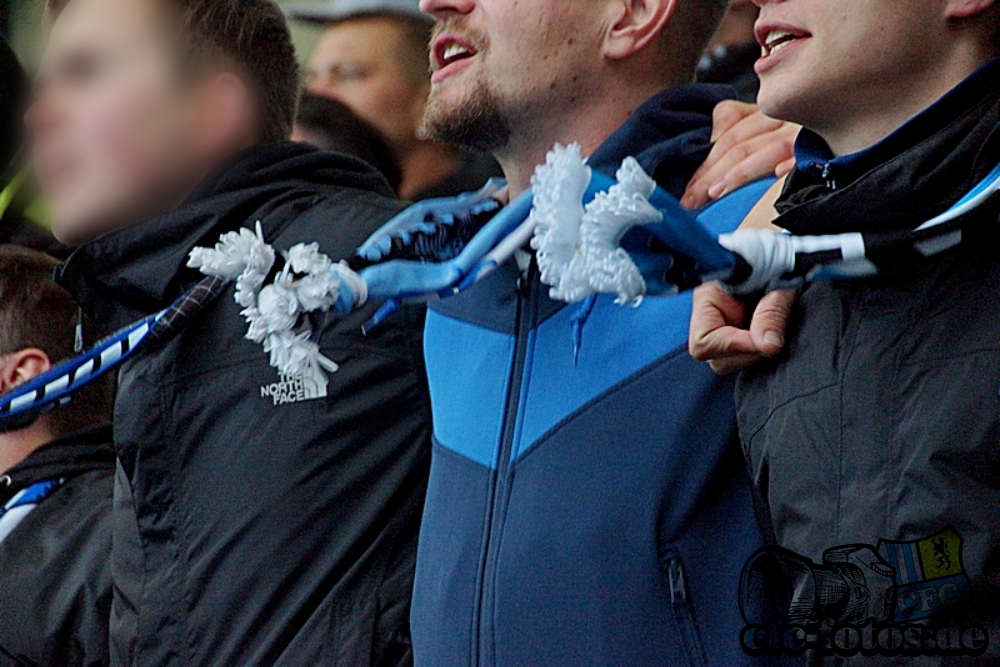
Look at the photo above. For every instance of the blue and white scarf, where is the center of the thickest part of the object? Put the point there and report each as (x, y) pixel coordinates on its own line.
(22, 504)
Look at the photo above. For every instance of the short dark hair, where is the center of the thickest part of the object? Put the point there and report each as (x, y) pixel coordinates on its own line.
(334, 127)
(36, 313)
(253, 36)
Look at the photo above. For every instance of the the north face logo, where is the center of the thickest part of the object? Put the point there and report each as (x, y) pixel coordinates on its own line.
(295, 389)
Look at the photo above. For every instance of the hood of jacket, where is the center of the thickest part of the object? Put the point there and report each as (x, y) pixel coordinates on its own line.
(141, 269)
(67, 457)
(916, 173)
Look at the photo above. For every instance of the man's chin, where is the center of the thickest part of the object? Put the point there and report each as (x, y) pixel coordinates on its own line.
(781, 102)
(74, 231)
(71, 238)
(472, 120)
(443, 104)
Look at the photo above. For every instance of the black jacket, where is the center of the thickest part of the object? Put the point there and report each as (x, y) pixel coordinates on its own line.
(55, 571)
(882, 420)
(256, 524)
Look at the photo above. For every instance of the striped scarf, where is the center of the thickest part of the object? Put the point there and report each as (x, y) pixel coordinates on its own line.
(23, 502)
(25, 404)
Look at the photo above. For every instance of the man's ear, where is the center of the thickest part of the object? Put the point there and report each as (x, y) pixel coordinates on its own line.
(636, 23)
(227, 115)
(964, 9)
(20, 367)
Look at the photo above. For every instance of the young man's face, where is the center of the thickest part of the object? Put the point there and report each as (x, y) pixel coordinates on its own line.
(507, 65)
(113, 129)
(357, 63)
(826, 59)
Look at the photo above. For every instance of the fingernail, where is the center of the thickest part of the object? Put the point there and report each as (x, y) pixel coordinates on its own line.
(774, 338)
(716, 190)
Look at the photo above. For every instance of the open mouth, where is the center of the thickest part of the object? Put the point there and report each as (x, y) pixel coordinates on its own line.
(777, 40)
(449, 50)
(774, 38)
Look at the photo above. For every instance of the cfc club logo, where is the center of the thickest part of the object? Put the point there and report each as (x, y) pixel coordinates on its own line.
(928, 575)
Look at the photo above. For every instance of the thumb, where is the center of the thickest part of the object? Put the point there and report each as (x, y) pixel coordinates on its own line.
(770, 321)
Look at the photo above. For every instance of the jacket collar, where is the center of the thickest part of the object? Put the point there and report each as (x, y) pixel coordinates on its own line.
(916, 172)
(67, 457)
(141, 269)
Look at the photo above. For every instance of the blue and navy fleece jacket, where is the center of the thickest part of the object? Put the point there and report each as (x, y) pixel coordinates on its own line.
(594, 511)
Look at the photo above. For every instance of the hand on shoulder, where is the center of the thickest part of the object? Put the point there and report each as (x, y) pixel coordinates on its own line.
(748, 146)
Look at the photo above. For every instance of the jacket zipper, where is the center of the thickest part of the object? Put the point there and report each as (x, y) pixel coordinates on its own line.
(526, 298)
(828, 177)
(683, 614)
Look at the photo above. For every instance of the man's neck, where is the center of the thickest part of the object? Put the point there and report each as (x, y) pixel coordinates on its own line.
(425, 165)
(874, 122)
(589, 126)
(16, 446)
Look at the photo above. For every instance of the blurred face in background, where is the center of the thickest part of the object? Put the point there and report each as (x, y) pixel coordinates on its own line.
(362, 63)
(119, 135)
(504, 68)
(827, 60)
(108, 124)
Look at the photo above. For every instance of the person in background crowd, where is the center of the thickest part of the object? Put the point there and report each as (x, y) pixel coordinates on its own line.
(868, 408)
(332, 126)
(733, 52)
(56, 485)
(260, 518)
(588, 502)
(22, 218)
(373, 58)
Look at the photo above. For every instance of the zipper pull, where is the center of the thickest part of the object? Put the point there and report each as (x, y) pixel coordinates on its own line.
(831, 182)
(78, 338)
(675, 577)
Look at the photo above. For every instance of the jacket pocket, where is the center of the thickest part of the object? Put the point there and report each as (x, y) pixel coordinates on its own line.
(682, 609)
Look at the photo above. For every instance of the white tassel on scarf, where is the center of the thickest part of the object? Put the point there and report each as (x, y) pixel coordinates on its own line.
(578, 247)
(309, 282)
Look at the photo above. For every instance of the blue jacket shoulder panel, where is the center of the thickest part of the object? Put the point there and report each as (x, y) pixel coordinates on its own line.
(470, 389)
(470, 350)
